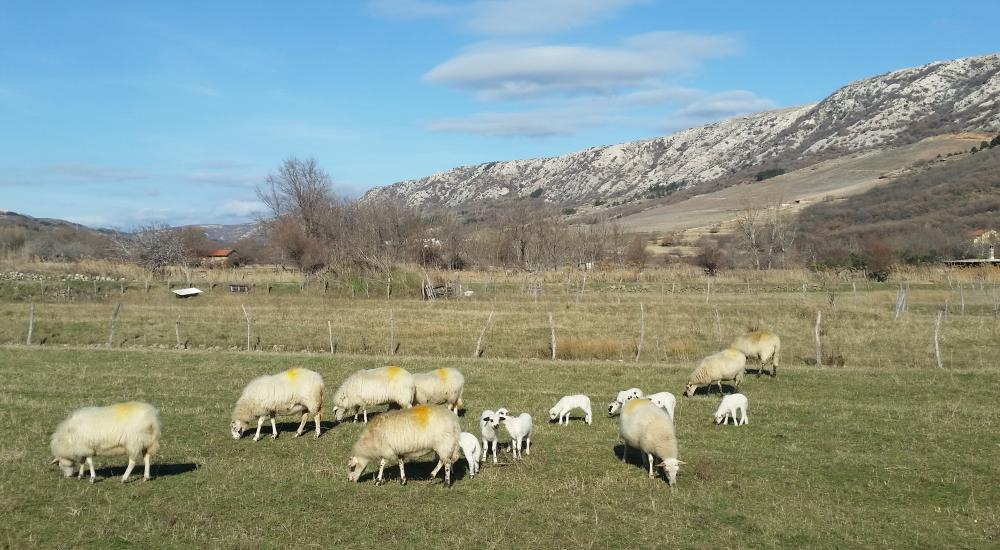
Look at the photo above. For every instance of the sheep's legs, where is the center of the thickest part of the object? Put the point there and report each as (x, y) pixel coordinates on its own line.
(260, 422)
(90, 464)
(447, 475)
(495, 445)
(82, 466)
(302, 425)
(528, 447)
(274, 429)
(486, 451)
(381, 468)
(316, 422)
(624, 451)
(365, 414)
(128, 469)
(145, 462)
(402, 473)
(647, 457)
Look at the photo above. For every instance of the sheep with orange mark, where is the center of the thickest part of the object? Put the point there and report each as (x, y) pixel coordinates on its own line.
(728, 364)
(131, 428)
(371, 388)
(763, 345)
(439, 386)
(408, 434)
(291, 392)
(649, 428)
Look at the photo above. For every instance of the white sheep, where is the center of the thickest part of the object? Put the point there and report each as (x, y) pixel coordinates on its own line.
(728, 364)
(649, 428)
(728, 407)
(565, 405)
(131, 428)
(373, 387)
(519, 428)
(471, 449)
(621, 398)
(489, 421)
(439, 386)
(291, 392)
(406, 435)
(763, 345)
(664, 400)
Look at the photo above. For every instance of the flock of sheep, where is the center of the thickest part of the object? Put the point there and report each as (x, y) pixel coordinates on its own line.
(426, 422)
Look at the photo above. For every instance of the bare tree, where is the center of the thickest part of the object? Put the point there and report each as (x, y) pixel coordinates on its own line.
(748, 225)
(153, 247)
(301, 189)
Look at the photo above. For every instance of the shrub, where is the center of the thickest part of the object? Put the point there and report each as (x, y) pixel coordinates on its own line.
(768, 174)
(536, 193)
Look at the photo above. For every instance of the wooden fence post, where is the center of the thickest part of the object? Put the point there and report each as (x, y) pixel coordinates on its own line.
(552, 327)
(479, 342)
(31, 322)
(642, 330)
(937, 348)
(247, 317)
(819, 353)
(114, 318)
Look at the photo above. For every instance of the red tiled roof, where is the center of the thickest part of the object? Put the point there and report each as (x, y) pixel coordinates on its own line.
(220, 253)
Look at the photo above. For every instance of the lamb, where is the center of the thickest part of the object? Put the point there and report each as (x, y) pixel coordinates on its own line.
(373, 387)
(471, 449)
(519, 428)
(728, 407)
(664, 400)
(621, 398)
(291, 392)
(763, 345)
(489, 421)
(728, 364)
(439, 386)
(131, 428)
(648, 428)
(405, 435)
(565, 405)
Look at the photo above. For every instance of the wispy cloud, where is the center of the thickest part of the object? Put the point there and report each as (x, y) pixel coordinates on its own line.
(240, 209)
(83, 171)
(725, 104)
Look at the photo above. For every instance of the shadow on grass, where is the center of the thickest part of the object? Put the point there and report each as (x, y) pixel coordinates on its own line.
(634, 457)
(759, 371)
(155, 470)
(416, 471)
(713, 389)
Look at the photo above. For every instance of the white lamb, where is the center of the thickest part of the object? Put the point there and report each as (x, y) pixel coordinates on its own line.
(621, 398)
(664, 400)
(406, 435)
(291, 392)
(729, 406)
(764, 345)
(471, 450)
(373, 387)
(519, 428)
(648, 428)
(131, 428)
(489, 421)
(564, 406)
(728, 364)
(439, 386)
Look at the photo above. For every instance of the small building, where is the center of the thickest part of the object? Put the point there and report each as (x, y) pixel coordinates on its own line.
(190, 292)
(220, 256)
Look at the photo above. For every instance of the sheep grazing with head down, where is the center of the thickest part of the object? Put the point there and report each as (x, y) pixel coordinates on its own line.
(489, 424)
(763, 345)
(622, 397)
(407, 434)
(519, 428)
(471, 450)
(439, 386)
(291, 392)
(728, 408)
(648, 428)
(664, 400)
(565, 406)
(728, 364)
(131, 428)
(371, 388)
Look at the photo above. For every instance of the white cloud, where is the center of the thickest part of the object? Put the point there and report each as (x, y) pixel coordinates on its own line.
(726, 104)
(241, 208)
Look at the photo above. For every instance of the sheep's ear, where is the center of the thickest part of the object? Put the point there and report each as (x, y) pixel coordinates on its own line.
(54, 461)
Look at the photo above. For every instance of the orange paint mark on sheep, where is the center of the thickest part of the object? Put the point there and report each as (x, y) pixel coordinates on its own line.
(758, 336)
(442, 373)
(633, 404)
(122, 410)
(422, 413)
(394, 372)
(292, 374)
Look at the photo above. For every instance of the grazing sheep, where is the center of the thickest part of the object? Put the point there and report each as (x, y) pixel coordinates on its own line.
(291, 392)
(406, 435)
(471, 449)
(621, 398)
(728, 364)
(664, 400)
(373, 387)
(489, 421)
(761, 344)
(566, 405)
(131, 428)
(648, 428)
(519, 428)
(728, 407)
(439, 386)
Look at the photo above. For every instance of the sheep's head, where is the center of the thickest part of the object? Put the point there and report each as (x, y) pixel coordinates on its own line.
(355, 467)
(719, 417)
(338, 413)
(236, 428)
(670, 467)
(502, 414)
(689, 390)
(489, 418)
(66, 465)
(614, 407)
(553, 413)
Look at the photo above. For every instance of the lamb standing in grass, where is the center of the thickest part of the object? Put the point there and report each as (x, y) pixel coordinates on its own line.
(439, 386)
(291, 392)
(131, 428)
(664, 400)
(471, 449)
(406, 435)
(519, 428)
(621, 398)
(648, 428)
(564, 406)
(764, 345)
(728, 407)
(371, 388)
(489, 421)
(728, 364)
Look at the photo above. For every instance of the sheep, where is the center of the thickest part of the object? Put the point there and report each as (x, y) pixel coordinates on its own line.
(373, 387)
(763, 345)
(621, 398)
(728, 407)
(405, 435)
(489, 421)
(439, 386)
(565, 405)
(291, 392)
(664, 400)
(519, 428)
(131, 428)
(471, 449)
(728, 364)
(648, 428)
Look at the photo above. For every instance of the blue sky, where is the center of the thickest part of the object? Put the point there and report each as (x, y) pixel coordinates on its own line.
(115, 114)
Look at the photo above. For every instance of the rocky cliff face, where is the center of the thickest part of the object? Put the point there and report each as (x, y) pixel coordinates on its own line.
(892, 109)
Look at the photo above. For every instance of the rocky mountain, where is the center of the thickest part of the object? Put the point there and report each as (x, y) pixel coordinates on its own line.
(888, 110)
